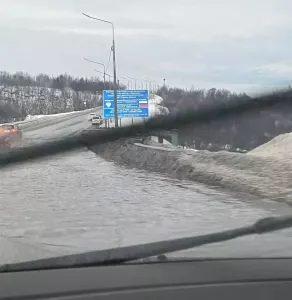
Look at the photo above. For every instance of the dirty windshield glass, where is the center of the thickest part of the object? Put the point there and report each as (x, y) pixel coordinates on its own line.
(62, 62)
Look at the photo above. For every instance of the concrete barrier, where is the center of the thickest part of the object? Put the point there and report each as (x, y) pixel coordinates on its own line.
(50, 120)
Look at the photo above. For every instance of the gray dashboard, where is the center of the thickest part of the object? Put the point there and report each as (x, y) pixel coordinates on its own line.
(234, 279)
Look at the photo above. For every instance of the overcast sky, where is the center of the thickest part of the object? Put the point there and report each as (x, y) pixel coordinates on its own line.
(242, 45)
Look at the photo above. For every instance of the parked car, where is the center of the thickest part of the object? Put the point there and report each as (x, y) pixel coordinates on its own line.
(97, 120)
(91, 115)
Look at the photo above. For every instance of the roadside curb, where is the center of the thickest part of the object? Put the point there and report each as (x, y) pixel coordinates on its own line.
(47, 121)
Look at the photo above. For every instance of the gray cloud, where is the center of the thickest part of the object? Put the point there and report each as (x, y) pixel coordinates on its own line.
(239, 45)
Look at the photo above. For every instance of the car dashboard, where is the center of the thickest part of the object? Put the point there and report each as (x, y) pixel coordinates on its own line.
(233, 279)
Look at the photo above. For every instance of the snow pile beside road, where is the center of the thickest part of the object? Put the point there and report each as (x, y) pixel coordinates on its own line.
(155, 99)
(280, 147)
(36, 123)
(34, 117)
(155, 107)
(262, 176)
(265, 172)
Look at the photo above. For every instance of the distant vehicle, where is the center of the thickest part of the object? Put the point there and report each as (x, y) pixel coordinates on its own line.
(9, 135)
(97, 120)
(91, 115)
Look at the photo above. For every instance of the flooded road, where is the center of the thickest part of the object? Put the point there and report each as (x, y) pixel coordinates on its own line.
(77, 201)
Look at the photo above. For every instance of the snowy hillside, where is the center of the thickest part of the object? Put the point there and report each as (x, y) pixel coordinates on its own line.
(19, 102)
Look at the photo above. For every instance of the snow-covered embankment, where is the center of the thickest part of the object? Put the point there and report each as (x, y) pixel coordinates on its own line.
(265, 172)
(267, 177)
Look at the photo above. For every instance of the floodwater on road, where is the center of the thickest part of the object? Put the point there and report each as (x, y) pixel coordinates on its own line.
(77, 202)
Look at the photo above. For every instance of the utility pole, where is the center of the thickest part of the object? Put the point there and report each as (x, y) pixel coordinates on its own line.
(115, 81)
(114, 67)
(98, 63)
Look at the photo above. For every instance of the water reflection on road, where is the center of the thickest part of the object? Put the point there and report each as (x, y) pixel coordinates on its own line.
(78, 201)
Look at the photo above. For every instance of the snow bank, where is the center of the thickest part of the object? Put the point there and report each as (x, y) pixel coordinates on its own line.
(34, 117)
(261, 176)
(155, 107)
(36, 123)
(280, 148)
(265, 172)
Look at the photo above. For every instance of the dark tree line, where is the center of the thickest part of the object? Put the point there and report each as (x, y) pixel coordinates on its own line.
(22, 94)
(242, 131)
(78, 84)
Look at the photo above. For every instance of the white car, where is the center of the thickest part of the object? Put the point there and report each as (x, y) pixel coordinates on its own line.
(97, 120)
(91, 115)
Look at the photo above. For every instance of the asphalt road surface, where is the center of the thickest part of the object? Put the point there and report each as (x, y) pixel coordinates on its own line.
(77, 201)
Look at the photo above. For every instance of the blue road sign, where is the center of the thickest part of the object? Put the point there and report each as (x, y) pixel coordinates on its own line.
(131, 103)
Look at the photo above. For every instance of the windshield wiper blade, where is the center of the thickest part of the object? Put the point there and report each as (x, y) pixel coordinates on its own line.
(125, 254)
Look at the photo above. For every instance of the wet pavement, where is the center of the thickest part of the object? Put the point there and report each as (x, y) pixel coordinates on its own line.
(78, 201)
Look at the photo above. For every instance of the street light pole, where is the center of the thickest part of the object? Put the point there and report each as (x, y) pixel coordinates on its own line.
(128, 84)
(115, 80)
(109, 80)
(98, 63)
(135, 79)
(109, 76)
(114, 66)
(153, 85)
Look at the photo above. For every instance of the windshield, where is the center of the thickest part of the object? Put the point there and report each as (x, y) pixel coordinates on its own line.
(203, 178)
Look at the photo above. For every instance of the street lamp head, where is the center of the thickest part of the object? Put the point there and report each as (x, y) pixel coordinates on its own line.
(114, 65)
(97, 19)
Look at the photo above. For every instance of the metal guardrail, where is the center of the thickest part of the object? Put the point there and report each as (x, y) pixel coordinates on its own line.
(51, 119)
(158, 148)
